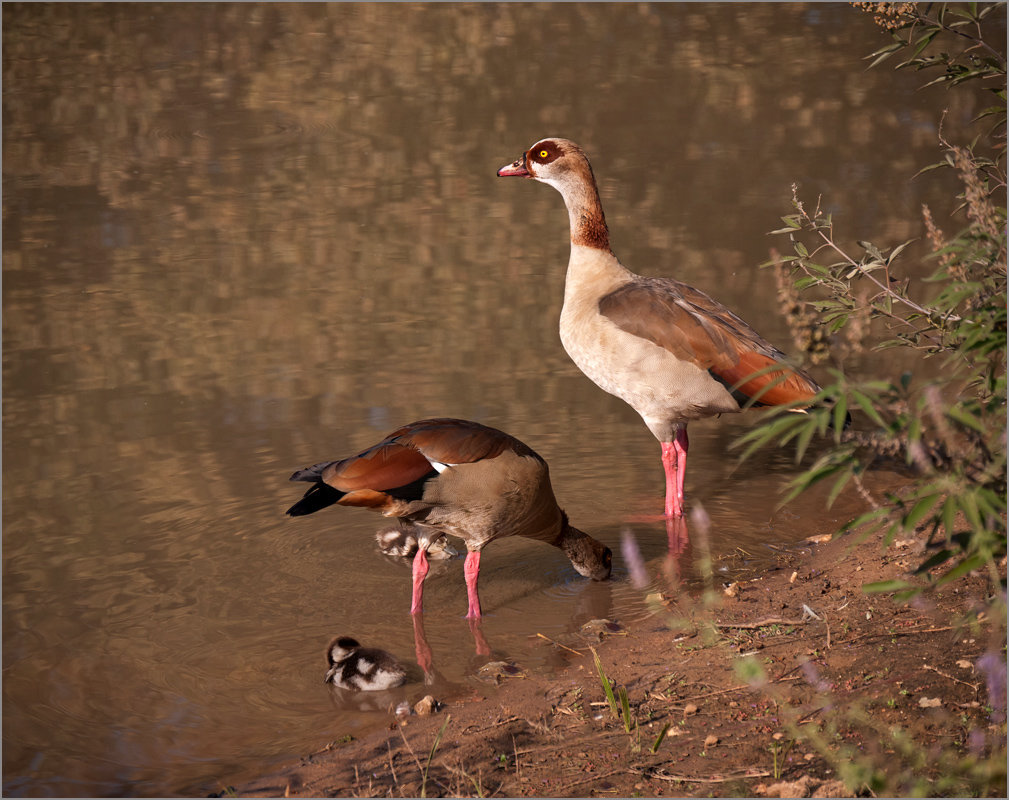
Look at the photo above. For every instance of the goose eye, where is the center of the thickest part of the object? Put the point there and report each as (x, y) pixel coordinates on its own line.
(543, 153)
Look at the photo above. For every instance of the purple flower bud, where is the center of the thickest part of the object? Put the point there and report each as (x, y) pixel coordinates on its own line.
(632, 557)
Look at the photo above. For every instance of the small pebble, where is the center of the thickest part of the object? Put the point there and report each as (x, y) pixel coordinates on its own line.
(494, 671)
(598, 628)
(428, 705)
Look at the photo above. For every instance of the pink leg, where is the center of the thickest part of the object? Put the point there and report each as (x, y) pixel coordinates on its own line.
(681, 444)
(420, 568)
(676, 534)
(472, 571)
(482, 648)
(425, 658)
(674, 462)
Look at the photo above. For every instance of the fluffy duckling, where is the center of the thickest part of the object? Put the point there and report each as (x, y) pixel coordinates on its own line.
(364, 669)
(403, 539)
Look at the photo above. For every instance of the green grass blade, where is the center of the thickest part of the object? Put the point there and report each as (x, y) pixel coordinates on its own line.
(607, 688)
(660, 737)
(625, 706)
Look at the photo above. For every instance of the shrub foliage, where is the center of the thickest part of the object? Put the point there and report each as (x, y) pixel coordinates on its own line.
(948, 431)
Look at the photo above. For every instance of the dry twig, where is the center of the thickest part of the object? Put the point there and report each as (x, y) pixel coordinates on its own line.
(576, 652)
(761, 624)
(665, 776)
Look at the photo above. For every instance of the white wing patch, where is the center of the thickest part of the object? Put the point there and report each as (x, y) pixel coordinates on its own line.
(439, 466)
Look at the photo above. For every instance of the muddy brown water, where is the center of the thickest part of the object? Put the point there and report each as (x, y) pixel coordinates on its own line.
(239, 239)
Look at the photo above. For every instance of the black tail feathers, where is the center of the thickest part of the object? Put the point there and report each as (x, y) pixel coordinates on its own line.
(318, 497)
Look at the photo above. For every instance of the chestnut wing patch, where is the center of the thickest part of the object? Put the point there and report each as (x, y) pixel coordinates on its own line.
(456, 441)
(384, 467)
(695, 328)
(785, 385)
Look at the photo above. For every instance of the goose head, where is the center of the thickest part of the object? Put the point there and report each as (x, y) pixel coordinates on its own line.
(554, 161)
(590, 557)
(563, 164)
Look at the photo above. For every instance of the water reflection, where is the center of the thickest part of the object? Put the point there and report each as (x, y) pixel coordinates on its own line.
(233, 232)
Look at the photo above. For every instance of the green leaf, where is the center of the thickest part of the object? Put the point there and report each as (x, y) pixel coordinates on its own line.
(840, 411)
(867, 406)
(930, 167)
(968, 504)
(625, 707)
(949, 509)
(839, 485)
(874, 519)
(965, 418)
(660, 737)
(991, 504)
(940, 79)
(897, 251)
(820, 471)
(969, 564)
(935, 560)
(607, 686)
(918, 511)
(884, 53)
(802, 442)
(927, 36)
(872, 250)
(924, 40)
(887, 587)
(989, 112)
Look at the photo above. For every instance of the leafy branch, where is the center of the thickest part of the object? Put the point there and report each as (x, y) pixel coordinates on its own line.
(947, 430)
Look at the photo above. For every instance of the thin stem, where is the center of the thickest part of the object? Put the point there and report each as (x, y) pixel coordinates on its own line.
(871, 277)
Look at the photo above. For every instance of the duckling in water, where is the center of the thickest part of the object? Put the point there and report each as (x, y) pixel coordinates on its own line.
(403, 539)
(364, 669)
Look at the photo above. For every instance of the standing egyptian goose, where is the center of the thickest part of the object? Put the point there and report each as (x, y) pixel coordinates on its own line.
(667, 349)
(452, 476)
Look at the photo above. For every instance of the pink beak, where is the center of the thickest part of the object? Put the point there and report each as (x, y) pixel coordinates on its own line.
(516, 169)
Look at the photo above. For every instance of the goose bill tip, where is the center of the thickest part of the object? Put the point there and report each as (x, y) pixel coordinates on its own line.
(514, 170)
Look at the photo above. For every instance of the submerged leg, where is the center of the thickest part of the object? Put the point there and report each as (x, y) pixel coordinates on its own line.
(472, 571)
(420, 568)
(482, 648)
(674, 462)
(681, 445)
(425, 657)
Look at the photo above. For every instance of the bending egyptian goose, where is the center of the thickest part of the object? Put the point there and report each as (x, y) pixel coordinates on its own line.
(452, 476)
(362, 669)
(667, 349)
